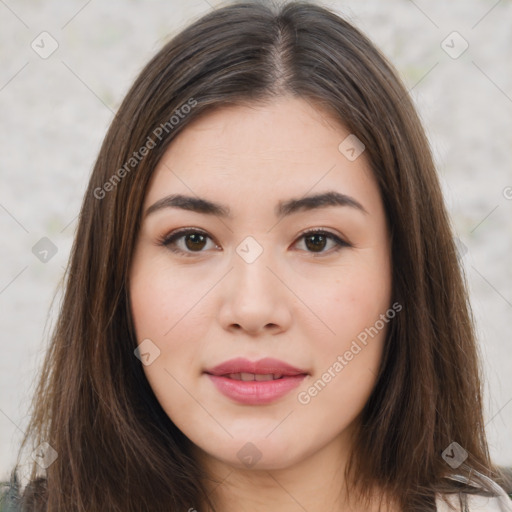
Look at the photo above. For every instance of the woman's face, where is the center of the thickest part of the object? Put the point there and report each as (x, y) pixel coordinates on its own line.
(263, 237)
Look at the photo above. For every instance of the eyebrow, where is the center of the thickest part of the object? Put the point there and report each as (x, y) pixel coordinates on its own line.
(283, 208)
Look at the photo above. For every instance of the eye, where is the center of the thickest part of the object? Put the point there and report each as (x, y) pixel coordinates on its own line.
(186, 241)
(189, 241)
(317, 240)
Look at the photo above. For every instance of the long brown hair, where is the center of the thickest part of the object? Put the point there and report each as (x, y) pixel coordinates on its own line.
(117, 449)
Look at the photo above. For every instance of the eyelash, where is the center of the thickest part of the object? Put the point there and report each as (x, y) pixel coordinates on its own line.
(170, 239)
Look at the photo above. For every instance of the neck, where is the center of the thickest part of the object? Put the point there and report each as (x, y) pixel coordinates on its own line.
(316, 483)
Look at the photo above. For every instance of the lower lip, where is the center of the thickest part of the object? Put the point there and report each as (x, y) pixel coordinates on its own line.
(255, 392)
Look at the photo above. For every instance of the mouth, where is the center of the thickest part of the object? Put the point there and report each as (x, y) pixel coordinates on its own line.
(263, 369)
(247, 377)
(255, 383)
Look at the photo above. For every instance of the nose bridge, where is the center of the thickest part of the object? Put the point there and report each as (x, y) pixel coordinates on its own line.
(251, 261)
(254, 297)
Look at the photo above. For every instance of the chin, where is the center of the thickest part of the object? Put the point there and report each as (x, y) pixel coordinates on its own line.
(258, 454)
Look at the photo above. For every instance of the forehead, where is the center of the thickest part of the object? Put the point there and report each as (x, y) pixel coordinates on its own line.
(287, 147)
(284, 126)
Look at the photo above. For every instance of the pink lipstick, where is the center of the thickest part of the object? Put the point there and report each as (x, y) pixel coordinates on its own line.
(255, 382)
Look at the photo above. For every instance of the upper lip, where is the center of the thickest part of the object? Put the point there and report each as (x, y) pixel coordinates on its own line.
(264, 366)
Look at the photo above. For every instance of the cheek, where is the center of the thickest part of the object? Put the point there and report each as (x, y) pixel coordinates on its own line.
(163, 299)
(353, 301)
(167, 311)
(348, 359)
(356, 308)
(174, 321)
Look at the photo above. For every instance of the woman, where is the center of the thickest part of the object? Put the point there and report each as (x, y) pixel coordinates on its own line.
(263, 308)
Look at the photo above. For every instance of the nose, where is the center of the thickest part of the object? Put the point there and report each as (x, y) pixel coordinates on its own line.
(254, 300)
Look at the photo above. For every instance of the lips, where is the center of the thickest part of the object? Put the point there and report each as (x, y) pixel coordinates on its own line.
(267, 366)
(255, 382)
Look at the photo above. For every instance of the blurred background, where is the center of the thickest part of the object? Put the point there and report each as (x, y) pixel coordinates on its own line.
(66, 66)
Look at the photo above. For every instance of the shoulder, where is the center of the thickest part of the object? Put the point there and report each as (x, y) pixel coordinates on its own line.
(502, 502)
(8, 500)
(474, 503)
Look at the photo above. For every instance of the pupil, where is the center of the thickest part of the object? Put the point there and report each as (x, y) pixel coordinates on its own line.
(317, 242)
(195, 239)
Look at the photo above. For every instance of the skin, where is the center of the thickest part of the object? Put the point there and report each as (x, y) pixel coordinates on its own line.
(302, 303)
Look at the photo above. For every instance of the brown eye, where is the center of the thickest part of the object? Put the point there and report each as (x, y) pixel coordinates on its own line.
(318, 241)
(187, 242)
(195, 241)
